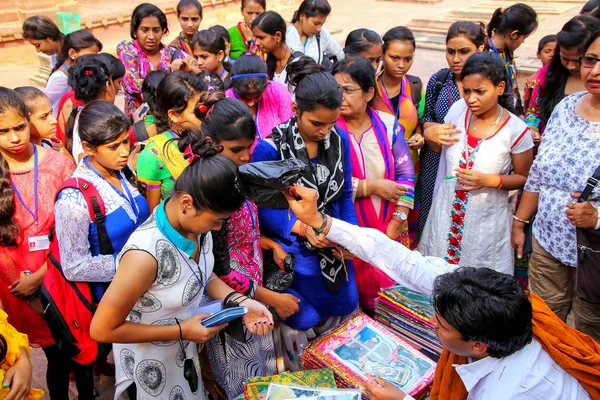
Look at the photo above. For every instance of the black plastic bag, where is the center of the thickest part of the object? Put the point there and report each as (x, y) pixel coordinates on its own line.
(277, 278)
(263, 182)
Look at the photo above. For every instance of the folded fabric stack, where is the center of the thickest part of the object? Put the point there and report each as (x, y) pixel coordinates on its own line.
(257, 388)
(362, 346)
(408, 313)
(278, 391)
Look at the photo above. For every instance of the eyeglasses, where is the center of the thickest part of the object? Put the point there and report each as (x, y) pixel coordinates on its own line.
(589, 61)
(350, 90)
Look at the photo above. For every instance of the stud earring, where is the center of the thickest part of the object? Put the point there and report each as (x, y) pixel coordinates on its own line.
(183, 211)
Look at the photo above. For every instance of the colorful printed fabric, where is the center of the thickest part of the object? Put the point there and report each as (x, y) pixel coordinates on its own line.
(53, 169)
(363, 346)
(533, 87)
(511, 71)
(382, 153)
(403, 109)
(160, 163)
(238, 257)
(182, 43)
(137, 65)
(409, 313)
(257, 388)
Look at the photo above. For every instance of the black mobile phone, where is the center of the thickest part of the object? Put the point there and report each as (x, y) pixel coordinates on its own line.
(142, 145)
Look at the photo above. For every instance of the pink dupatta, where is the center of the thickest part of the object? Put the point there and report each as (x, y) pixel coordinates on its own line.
(370, 280)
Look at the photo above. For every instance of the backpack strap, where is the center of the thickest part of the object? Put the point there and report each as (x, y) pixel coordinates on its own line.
(440, 79)
(320, 57)
(140, 131)
(591, 184)
(416, 87)
(96, 209)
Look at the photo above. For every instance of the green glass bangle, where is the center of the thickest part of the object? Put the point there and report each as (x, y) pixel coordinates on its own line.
(322, 228)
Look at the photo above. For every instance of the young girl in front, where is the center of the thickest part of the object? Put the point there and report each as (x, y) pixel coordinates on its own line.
(507, 30)
(150, 310)
(160, 163)
(31, 176)
(210, 53)
(241, 34)
(470, 219)
(238, 256)
(189, 15)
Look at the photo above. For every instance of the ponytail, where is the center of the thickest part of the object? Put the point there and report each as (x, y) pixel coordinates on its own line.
(224, 118)
(210, 179)
(313, 86)
(518, 17)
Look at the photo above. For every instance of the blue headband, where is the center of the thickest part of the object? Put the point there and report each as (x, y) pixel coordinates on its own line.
(255, 75)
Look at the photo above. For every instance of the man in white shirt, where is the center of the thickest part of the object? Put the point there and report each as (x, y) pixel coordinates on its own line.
(480, 314)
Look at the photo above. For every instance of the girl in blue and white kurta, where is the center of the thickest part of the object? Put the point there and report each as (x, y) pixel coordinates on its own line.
(103, 126)
(78, 236)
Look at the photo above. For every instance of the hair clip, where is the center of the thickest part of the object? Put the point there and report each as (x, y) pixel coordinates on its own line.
(210, 89)
(202, 108)
(502, 10)
(210, 110)
(252, 75)
(88, 72)
(189, 154)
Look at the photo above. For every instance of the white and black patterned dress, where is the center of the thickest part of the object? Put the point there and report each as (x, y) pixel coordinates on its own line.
(157, 367)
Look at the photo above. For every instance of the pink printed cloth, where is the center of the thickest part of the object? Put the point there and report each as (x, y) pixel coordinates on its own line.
(274, 108)
(137, 66)
(238, 257)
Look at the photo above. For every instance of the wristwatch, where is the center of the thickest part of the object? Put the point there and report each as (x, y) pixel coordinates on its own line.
(402, 215)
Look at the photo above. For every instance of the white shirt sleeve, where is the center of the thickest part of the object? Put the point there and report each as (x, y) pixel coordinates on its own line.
(57, 85)
(72, 230)
(330, 46)
(76, 146)
(408, 268)
(292, 39)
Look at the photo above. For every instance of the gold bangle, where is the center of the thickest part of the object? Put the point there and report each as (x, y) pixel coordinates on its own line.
(364, 187)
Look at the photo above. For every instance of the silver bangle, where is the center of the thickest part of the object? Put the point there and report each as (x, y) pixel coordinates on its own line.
(519, 219)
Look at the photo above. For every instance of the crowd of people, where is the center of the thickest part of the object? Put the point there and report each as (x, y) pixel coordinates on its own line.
(460, 188)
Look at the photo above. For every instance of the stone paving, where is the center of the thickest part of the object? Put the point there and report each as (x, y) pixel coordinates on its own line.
(346, 16)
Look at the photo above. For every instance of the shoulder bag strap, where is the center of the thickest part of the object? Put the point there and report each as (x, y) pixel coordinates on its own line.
(96, 209)
(591, 184)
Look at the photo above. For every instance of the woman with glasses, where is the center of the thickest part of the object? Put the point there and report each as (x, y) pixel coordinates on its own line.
(561, 76)
(382, 171)
(567, 157)
(270, 103)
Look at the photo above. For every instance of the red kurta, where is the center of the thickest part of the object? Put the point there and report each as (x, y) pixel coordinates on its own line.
(53, 169)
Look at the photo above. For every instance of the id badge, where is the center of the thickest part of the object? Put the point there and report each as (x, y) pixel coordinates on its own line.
(37, 243)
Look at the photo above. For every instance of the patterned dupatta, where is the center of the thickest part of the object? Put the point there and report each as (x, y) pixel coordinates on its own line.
(365, 209)
(327, 177)
(185, 45)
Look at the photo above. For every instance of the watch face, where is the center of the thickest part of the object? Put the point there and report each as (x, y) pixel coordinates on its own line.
(403, 216)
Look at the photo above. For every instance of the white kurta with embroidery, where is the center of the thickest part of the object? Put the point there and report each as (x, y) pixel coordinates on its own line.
(157, 367)
(484, 229)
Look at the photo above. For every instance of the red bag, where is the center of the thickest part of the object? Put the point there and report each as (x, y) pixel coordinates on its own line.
(68, 306)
